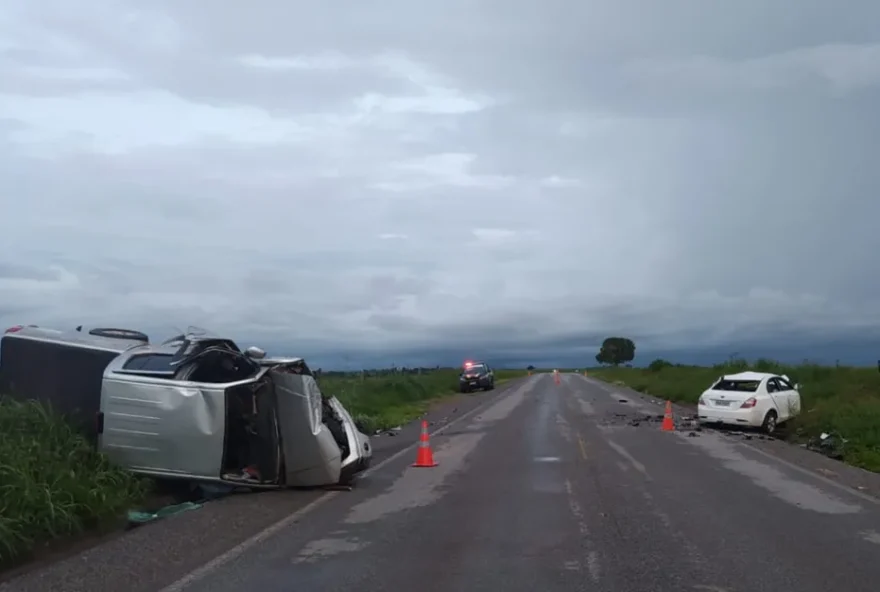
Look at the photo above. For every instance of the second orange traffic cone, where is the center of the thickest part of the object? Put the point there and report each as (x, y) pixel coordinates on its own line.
(424, 457)
(668, 422)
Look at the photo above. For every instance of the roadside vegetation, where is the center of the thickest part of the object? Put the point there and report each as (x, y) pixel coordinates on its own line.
(380, 400)
(838, 399)
(54, 485)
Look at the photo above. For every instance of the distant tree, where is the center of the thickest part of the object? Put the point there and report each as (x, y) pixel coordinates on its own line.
(659, 364)
(530, 368)
(616, 351)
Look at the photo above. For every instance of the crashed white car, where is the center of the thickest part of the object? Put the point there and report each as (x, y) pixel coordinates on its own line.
(750, 399)
(194, 407)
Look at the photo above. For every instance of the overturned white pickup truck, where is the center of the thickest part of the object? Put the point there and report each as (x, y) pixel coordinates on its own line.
(195, 407)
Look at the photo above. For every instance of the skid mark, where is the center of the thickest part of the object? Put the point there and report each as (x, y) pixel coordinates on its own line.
(630, 458)
(871, 536)
(564, 428)
(693, 553)
(586, 407)
(418, 487)
(796, 493)
(323, 548)
(633, 403)
(503, 407)
(599, 384)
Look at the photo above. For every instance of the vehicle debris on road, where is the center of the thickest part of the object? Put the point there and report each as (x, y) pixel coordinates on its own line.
(830, 444)
(137, 518)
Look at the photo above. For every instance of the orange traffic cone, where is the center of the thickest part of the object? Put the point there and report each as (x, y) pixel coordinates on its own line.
(668, 423)
(424, 458)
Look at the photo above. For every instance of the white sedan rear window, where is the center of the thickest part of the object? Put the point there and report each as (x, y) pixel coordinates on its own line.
(747, 386)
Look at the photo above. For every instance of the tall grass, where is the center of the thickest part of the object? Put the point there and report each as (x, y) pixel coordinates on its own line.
(52, 482)
(840, 399)
(385, 401)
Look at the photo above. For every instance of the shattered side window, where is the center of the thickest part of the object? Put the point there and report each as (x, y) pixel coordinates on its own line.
(149, 363)
(743, 386)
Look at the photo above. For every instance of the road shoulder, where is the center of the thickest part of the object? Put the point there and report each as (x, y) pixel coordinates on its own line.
(854, 478)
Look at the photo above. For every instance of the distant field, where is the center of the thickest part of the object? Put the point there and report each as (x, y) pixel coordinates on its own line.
(834, 399)
(380, 400)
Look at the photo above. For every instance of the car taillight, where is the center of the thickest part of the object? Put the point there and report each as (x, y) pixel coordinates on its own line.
(15, 329)
(749, 403)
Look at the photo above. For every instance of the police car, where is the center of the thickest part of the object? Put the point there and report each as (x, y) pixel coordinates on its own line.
(476, 375)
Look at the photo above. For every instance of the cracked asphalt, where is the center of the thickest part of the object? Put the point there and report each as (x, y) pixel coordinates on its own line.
(560, 487)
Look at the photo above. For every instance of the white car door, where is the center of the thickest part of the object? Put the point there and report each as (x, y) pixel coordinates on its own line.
(778, 399)
(792, 397)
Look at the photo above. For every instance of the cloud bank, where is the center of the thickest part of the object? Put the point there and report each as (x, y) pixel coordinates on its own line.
(517, 178)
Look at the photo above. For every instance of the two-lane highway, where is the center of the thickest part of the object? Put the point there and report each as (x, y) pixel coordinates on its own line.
(550, 487)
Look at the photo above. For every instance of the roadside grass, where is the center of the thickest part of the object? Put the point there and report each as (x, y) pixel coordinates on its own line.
(53, 484)
(840, 399)
(386, 401)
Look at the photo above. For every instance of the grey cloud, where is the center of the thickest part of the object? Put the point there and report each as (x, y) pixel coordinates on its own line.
(680, 172)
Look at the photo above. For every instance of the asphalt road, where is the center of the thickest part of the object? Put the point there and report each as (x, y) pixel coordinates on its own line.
(552, 487)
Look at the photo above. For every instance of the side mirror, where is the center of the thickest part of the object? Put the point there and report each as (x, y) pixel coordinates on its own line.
(797, 386)
(255, 353)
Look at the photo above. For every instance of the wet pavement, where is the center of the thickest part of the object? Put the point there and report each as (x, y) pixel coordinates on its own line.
(572, 486)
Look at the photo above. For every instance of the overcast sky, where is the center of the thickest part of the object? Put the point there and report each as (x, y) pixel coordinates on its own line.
(407, 176)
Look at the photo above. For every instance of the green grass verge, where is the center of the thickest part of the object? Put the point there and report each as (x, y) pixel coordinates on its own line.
(841, 399)
(385, 401)
(52, 482)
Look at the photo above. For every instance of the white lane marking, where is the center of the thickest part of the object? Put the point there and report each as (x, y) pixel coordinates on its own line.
(578, 513)
(547, 459)
(235, 552)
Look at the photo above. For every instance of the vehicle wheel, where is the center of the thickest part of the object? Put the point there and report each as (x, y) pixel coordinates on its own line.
(491, 386)
(769, 425)
(464, 389)
(120, 334)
